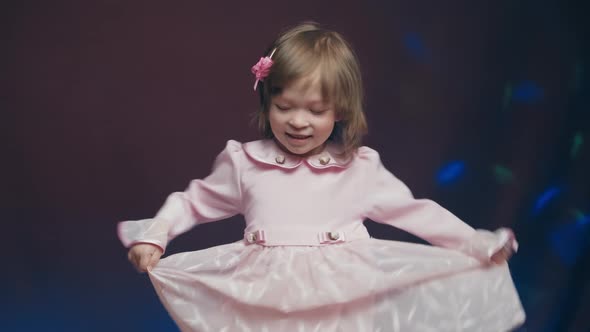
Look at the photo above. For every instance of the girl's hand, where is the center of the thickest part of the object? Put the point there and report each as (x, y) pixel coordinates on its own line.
(144, 256)
(502, 255)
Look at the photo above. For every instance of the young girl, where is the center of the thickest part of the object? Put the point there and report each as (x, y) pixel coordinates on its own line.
(306, 262)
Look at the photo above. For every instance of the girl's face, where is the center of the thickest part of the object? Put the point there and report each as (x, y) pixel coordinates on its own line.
(301, 121)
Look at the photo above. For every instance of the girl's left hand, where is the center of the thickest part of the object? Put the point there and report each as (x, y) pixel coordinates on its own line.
(502, 255)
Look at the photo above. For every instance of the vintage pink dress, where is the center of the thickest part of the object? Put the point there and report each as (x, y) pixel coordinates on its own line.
(307, 262)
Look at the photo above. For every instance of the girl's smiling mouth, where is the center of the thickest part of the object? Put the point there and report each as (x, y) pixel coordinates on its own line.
(298, 137)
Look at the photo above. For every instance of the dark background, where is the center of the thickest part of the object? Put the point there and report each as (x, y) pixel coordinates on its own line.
(109, 106)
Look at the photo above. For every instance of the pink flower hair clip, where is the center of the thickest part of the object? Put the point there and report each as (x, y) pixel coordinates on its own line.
(262, 68)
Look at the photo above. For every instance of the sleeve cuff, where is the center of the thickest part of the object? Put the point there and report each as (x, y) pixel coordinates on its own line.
(150, 231)
(484, 244)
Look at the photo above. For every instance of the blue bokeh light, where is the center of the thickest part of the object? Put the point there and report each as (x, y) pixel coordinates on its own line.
(570, 240)
(527, 92)
(545, 198)
(451, 172)
(415, 46)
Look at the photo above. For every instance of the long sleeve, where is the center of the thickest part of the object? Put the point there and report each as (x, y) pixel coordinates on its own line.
(216, 197)
(389, 201)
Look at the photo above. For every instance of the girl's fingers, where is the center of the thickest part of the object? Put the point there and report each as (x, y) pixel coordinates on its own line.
(154, 259)
(144, 256)
(132, 256)
(502, 255)
(496, 258)
(144, 261)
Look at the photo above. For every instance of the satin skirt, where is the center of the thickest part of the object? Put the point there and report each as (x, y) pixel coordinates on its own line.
(362, 285)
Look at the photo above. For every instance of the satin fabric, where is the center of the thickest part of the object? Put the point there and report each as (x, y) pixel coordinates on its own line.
(295, 283)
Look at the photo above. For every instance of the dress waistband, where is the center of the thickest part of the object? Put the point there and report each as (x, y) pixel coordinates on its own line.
(273, 237)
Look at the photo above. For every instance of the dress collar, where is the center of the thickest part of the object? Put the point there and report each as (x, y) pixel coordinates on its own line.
(267, 152)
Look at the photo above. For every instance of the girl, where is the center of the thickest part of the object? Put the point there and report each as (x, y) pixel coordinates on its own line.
(307, 262)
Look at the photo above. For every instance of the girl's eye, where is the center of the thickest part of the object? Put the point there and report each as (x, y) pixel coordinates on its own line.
(318, 112)
(282, 107)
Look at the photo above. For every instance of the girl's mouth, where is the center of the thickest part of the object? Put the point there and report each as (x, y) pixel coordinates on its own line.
(298, 137)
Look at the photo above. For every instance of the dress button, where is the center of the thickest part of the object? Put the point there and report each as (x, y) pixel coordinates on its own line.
(324, 160)
(251, 237)
(280, 159)
(334, 236)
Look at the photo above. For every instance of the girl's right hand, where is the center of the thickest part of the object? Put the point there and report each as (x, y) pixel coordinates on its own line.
(144, 256)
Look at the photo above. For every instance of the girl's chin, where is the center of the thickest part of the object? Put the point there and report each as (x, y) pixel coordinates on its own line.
(304, 151)
(301, 151)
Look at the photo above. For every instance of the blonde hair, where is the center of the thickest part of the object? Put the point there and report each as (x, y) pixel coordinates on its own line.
(306, 49)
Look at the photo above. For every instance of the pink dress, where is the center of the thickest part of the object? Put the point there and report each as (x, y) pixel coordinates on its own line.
(307, 262)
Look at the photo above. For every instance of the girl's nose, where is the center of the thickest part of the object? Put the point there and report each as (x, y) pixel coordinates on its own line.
(298, 120)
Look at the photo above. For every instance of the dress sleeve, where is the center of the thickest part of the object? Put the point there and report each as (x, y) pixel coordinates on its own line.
(389, 201)
(218, 196)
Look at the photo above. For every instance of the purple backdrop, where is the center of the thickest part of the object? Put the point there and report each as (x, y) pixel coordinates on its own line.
(109, 106)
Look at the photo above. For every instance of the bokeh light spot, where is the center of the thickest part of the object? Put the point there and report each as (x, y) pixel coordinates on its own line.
(503, 174)
(415, 46)
(451, 172)
(527, 92)
(569, 241)
(545, 198)
(577, 143)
